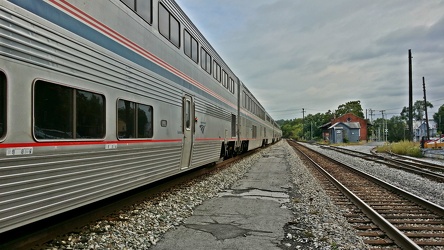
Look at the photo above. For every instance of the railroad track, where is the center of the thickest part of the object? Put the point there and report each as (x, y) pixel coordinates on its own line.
(385, 216)
(36, 235)
(427, 170)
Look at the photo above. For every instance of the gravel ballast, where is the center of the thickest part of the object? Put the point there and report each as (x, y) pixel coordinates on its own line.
(415, 184)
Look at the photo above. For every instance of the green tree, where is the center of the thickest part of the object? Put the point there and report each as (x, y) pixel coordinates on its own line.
(292, 128)
(353, 107)
(439, 119)
(396, 127)
(312, 124)
(418, 111)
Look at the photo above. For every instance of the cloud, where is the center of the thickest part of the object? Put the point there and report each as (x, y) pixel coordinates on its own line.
(320, 54)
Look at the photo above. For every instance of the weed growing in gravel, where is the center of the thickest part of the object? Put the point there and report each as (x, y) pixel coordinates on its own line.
(314, 212)
(308, 234)
(402, 148)
(334, 246)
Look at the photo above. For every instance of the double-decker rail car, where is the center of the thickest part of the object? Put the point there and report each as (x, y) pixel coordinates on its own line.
(100, 97)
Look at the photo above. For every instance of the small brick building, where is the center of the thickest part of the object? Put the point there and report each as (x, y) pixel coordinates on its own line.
(346, 119)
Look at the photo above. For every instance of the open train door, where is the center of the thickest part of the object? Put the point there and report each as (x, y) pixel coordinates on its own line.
(188, 114)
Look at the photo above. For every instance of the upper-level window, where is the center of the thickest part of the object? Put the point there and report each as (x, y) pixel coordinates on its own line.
(62, 112)
(190, 47)
(169, 26)
(142, 7)
(2, 104)
(205, 60)
(134, 120)
(224, 78)
(130, 3)
(216, 71)
(232, 86)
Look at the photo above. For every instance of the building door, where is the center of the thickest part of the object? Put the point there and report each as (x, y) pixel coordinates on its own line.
(339, 136)
(188, 130)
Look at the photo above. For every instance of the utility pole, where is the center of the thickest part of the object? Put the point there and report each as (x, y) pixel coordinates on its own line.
(303, 123)
(384, 125)
(371, 121)
(440, 125)
(410, 98)
(425, 108)
(371, 114)
(311, 130)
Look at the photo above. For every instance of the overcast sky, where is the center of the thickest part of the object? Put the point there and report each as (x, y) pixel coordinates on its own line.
(318, 54)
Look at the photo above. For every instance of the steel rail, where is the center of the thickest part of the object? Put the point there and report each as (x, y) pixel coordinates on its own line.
(395, 234)
(393, 163)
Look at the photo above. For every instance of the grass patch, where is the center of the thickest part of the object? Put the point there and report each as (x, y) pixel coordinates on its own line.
(350, 143)
(401, 148)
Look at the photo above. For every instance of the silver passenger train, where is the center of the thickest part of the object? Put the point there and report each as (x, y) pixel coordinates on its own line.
(100, 97)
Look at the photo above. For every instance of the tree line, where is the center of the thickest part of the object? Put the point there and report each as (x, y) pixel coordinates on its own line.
(309, 127)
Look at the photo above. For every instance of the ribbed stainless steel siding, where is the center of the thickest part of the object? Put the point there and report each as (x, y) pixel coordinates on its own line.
(55, 51)
(35, 187)
(205, 152)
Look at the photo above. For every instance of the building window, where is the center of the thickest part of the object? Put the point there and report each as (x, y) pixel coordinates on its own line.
(169, 26)
(142, 7)
(190, 47)
(2, 104)
(134, 120)
(205, 60)
(62, 112)
(216, 72)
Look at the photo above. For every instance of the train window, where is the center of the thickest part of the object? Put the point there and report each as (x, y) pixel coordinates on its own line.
(254, 131)
(174, 31)
(129, 3)
(232, 86)
(2, 104)
(233, 125)
(194, 50)
(190, 46)
(90, 115)
(216, 72)
(205, 60)
(134, 120)
(126, 119)
(164, 22)
(224, 78)
(144, 9)
(187, 114)
(144, 121)
(62, 112)
(169, 26)
(187, 43)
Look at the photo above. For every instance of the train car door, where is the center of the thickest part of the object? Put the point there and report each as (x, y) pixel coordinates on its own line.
(188, 124)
